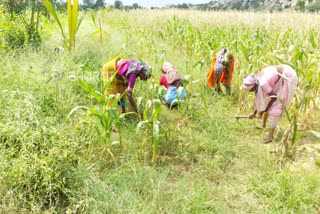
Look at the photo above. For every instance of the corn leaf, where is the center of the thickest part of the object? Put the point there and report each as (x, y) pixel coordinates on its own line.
(50, 8)
(316, 134)
(89, 89)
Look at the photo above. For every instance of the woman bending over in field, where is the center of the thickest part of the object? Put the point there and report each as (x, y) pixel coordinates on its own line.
(221, 71)
(128, 70)
(274, 87)
(172, 82)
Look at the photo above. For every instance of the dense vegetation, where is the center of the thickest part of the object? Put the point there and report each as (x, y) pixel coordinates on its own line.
(60, 155)
(257, 5)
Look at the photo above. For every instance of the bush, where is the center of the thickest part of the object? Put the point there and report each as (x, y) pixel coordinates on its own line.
(313, 7)
(14, 36)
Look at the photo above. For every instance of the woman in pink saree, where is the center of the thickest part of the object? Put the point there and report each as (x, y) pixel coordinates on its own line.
(274, 88)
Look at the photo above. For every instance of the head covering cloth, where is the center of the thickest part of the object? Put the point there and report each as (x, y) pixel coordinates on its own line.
(220, 62)
(250, 81)
(170, 72)
(133, 66)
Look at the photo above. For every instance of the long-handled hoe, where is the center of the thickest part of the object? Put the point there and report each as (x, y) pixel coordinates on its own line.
(244, 116)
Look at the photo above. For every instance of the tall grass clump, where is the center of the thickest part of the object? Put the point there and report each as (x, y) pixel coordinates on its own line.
(106, 110)
(40, 158)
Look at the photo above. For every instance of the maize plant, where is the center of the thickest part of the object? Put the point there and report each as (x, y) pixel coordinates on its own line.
(107, 116)
(69, 39)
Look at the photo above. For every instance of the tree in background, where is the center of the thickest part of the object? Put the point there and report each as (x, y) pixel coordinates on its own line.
(313, 7)
(300, 5)
(182, 6)
(88, 4)
(135, 6)
(60, 5)
(14, 6)
(99, 4)
(93, 4)
(118, 4)
(30, 24)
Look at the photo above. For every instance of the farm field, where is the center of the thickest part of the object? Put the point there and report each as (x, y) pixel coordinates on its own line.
(59, 153)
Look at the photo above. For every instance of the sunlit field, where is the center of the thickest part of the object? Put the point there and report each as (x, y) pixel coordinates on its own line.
(59, 150)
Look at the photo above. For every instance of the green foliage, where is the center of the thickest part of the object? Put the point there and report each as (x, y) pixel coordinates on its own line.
(73, 22)
(118, 4)
(34, 37)
(300, 5)
(237, 5)
(153, 124)
(15, 6)
(38, 165)
(185, 160)
(14, 35)
(53, 12)
(17, 32)
(313, 7)
(25, 17)
(105, 112)
(285, 192)
(315, 133)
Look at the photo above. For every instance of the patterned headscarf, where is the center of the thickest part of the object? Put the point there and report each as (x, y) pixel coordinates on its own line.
(171, 72)
(130, 66)
(218, 67)
(135, 66)
(250, 81)
(167, 67)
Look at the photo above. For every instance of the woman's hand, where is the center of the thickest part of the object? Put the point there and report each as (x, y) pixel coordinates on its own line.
(259, 113)
(132, 102)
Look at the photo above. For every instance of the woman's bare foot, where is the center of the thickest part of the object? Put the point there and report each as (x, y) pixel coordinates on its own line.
(260, 127)
(266, 141)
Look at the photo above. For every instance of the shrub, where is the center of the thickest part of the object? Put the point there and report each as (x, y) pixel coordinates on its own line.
(313, 7)
(14, 36)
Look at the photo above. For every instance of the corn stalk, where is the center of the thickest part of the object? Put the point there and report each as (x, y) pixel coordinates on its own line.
(106, 114)
(73, 22)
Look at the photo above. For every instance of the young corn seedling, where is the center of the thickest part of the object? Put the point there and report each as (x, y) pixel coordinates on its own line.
(286, 146)
(105, 111)
(152, 122)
